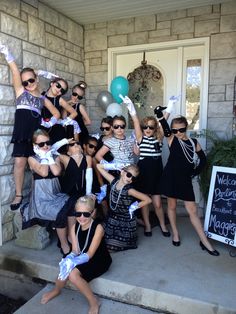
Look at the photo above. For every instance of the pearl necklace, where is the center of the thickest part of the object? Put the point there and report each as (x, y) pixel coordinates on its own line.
(112, 198)
(188, 150)
(87, 238)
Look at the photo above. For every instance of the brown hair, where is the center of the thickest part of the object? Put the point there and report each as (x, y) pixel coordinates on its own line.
(120, 118)
(179, 120)
(82, 85)
(24, 70)
(37, 133)
(157, 132)
(107, 120)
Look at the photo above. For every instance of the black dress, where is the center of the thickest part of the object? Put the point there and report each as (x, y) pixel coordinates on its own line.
(57, 131)
(73, 182)
(27, 120)
(101, 260)
(84, 134)
(176, 181)
(108, 156)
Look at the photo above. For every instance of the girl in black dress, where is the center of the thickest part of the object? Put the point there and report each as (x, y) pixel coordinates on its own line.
(89, 258)
(82, 118)
(106, 128)
(29, 104)
(176, 182)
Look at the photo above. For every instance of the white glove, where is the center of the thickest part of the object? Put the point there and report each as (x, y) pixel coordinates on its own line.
(67, 121)
(172, 101)
(102, 194)
(129, 104)
(50, 123)
(89, 180)
(58, 145)
(50, 158)
(8, 56)
(68, 263)
(40, 153)
(114, 166)
(132, 208)
(46, 74)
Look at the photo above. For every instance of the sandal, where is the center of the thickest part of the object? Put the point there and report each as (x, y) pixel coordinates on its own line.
(17, 205)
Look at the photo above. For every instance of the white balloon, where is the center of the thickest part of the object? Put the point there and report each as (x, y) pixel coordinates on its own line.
(114, 109)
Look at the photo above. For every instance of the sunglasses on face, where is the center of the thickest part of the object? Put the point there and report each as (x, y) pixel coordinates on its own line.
(129, 175)
(106, 128)
(26, 83)
(58, 85)
(42, 144)
(77, 95)
(92, 146)
(85, 214)
(117, 126)
(145, 127)
(181, 130)
(73, 144)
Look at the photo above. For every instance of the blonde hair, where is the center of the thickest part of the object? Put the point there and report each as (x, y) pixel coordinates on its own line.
(157, 132)
(39, 132)
(132, 167)
(86, 200)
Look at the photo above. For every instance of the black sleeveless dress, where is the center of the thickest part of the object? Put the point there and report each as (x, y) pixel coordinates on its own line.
(57, 131)
(176, 180)
(101, 260)
(84, 134)
(73, 182)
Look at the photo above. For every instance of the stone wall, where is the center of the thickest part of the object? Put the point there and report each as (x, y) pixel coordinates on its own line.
(40, 38)
(215, 21)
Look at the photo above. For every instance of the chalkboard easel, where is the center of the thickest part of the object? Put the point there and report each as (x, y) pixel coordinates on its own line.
(220, 218)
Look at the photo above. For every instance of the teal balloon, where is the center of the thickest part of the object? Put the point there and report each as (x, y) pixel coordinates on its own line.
(119, 85)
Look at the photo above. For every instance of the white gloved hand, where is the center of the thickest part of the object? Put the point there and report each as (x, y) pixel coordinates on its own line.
(132, 208)
(46, 74)
(50, 158)
(39, 152)
(50, 123)
(8, 56)
(102, 194)
(129, 104)
(172, 101)
(58, 145)
(67, 121)
(67, 264)
(114, 166)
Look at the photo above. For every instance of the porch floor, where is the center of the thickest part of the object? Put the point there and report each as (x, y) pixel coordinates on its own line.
(156, 276)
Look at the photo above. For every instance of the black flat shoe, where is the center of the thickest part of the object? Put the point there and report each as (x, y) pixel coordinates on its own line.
(165, 233)
(64, 254)
(214, 253)
(176, 243)
(17, 205)
(148, 233)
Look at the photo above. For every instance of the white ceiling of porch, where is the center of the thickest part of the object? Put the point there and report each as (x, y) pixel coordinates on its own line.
(94, 11)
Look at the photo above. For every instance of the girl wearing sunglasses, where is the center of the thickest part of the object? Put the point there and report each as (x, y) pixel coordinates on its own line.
(47, 205)
(57, 88)
(77, 103)
(106, 129)
(120, 224)
(29, 105)
(89, 258)
(176, 182)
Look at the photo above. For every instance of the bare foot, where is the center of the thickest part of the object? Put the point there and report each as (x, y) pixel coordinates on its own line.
(94, 308)
(49, 295)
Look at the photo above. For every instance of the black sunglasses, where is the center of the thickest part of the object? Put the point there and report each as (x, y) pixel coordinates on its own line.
(181, 130)
(129, 175)
(26, 83)
(77, 95)
(145, 127)
(92, 146)
(42, 144)
(85, 214)
(58, 85)
(73, 144)
(107, 128)
(117, 126)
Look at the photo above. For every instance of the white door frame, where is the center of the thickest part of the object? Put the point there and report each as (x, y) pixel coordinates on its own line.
(204, 41)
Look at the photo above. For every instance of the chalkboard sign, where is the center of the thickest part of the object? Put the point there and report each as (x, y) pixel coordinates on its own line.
(220, 219)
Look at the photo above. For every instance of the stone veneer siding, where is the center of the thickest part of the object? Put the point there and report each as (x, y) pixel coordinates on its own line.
(215, 21)
(43, 39)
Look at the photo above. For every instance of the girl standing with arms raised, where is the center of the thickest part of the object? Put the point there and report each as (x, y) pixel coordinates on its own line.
(29, 104)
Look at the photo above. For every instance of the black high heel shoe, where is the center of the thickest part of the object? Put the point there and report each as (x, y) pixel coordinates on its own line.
(214, 253)
(165, 233)
(176, 243)
(17, 205)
